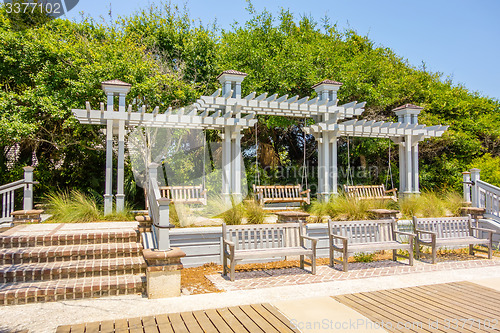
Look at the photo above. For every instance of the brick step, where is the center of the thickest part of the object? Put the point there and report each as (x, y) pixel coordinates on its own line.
(56, 290)
(71, 269)
(40, 254)
(70, 239)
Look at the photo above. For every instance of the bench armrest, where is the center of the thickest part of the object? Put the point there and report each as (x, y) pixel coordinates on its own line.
(394, 190)
(312, 239)
(228, 242)
(338, 237)
(203, 192)
(409, 234)
(314, 242)
(484, 229)
(306, 191)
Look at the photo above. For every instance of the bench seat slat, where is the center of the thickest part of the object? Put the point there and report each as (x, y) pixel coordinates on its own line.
(376, 246)
(271, 252)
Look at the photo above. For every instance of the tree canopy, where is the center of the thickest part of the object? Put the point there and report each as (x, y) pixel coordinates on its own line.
(46, 70)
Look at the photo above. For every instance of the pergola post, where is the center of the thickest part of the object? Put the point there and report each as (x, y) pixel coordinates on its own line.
(231, 143)
(408, 151)
(115, 88)
(327, 146)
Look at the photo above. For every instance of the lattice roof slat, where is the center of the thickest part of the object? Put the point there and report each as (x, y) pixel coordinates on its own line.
(364, 128)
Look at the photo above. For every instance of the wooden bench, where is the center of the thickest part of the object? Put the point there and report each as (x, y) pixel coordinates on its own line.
(370, 192)
(260, 241)
(185, 194)
(281, 194)
(449, 231)
(348, 237)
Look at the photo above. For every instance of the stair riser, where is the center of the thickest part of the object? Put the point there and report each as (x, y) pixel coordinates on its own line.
(58, 274)
(12, 242)
(42, 296)
(28, 258)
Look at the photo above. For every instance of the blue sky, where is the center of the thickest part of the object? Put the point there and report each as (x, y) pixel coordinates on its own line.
(460, 39)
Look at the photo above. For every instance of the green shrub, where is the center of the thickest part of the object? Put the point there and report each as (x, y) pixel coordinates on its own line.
(318, 210)
(254, 212)
(234, 215)
(71, 207)
(364, 257)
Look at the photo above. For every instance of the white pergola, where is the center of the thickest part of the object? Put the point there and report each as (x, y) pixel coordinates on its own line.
(228, 111)
(118, 118)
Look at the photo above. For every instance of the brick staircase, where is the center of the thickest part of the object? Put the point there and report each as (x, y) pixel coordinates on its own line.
(70, 265)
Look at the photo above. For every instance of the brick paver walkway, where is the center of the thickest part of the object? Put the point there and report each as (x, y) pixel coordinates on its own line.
(295, 276)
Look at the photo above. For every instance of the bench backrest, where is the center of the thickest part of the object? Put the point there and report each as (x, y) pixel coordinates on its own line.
(445, 227)
(363, 231)
(365, 191)
(262, 236)
(184, 194)
(278, 191)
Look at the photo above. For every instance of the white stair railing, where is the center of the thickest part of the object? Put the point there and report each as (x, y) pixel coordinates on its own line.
(158, 208)
(8, 194)
(482, 194)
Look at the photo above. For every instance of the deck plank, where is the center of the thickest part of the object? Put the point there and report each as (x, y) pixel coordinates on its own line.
(93, 327)
(178, 324)
(121, 325)
(205, 323)
(231, 320)
(258, 319)
(107, 326)
(64, 329)
(149, 325)
(190, 322)
(218, 322)
(163, 323)
(271, 319)
(135, 325)
(245, 320)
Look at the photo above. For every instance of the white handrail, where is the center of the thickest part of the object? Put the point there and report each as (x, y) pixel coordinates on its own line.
(481, 194)
(158, 211)
(8, 194)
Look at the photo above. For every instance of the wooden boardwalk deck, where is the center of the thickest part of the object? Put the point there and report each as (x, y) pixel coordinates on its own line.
(245, 318)
(451, 307)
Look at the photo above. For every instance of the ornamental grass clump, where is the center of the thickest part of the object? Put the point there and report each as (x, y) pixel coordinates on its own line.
(71, 207)
(254, 212)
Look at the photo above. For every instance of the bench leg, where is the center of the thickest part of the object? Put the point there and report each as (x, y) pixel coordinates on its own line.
(434, 254)
(332, 254)
(224, 264)
(471, 249)
(344, 259)
(232, 268)
(490, 247)
(394, 255)
(417, 250)
(302, 262)
(313, 264)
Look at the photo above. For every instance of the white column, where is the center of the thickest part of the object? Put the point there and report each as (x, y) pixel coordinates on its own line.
(409, 174)
(28, 188)
(321, 180)
(226, 163)
(227, 87)
(474, 177)
(238, 90)
(333, 166)
(108, 194)
(236, 166)
(416, 183)
(466, 186)
(120, 195)
(326, 166)
(402, 167)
